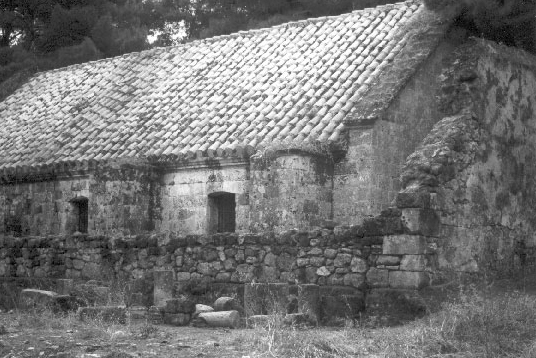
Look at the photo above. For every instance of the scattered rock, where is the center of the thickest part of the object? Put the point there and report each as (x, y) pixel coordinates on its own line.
(229, 319)
(180, 305)
(199, 308)
(31, 298)
(228, 304)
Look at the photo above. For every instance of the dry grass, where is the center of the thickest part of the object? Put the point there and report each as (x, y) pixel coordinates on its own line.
(475, 324)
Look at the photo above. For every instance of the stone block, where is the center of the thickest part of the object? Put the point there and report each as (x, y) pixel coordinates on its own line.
(354, 279)
(388, 260)
(404, 245)
(377, 277)
(31, 298)
(342, 260)
(299, 319)
(179, 305)
(358, 265)
(413, 263)
(155, 314)
(408, 279)
(323, 271)
(177, 319)
(199, 308)
(163, 287)
(228, 304)
(137, 313)
(229, 319)
(421, 221)
(64, 286)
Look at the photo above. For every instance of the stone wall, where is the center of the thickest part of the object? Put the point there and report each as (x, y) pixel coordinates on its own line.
(366, 181)
(290, 190)
(379, 253)
(119, 202)
(184, 203)
(477, 164)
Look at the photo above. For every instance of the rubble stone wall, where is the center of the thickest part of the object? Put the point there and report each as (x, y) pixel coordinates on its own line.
(379, 253)
(478, 164)
(366, 181)
(119, 200)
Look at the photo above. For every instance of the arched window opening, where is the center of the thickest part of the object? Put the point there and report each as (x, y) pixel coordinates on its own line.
(222, 212)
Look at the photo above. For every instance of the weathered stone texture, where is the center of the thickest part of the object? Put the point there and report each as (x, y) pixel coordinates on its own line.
(366, 180)
(478, 162)
(184, 196)
(119, 202)
(290, 191)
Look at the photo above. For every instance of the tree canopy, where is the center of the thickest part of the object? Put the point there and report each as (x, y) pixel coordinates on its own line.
(512, 22)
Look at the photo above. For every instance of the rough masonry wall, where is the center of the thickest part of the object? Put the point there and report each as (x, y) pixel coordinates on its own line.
(478, 163)
(184, 202)
(378, 254)
(290, 191)
(366, 181)
(119, 200)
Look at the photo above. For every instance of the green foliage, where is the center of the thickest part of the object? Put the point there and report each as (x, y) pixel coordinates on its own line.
(512, 22)
(38, 35)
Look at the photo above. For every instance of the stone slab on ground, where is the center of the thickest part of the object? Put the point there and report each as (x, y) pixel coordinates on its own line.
(230, 319)
(199, 308)
(228, 304)
(31, 298)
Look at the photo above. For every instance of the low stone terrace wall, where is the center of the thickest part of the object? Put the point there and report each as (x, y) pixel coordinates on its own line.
(376, 254)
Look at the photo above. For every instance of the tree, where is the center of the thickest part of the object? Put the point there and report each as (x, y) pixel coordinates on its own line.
(512, 22)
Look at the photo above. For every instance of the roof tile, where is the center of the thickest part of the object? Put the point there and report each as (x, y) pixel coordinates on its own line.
(290, 83)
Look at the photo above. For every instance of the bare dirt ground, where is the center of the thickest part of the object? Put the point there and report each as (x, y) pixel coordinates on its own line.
(115, 341)
(499, 309)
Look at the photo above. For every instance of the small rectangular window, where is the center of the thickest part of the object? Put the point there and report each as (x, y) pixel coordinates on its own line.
(222, 215)
(80, 210)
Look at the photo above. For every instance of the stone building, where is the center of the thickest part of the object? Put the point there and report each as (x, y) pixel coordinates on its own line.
(315, 123)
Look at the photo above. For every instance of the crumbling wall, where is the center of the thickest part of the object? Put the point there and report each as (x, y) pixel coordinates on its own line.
(379, 253)
(185, 195)
(477, 164)
(119, 201)
(366, 181)
(290, 190)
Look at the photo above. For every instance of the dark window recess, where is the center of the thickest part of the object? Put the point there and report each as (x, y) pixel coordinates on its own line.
(222, 217)
(80, 214)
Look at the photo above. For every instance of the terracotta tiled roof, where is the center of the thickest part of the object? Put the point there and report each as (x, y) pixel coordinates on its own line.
(291, 83)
